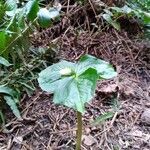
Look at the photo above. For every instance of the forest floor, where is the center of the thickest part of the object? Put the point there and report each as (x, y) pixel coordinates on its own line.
(46, 126)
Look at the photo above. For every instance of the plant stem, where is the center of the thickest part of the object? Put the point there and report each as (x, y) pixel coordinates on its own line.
(79, 131)
(2, 117)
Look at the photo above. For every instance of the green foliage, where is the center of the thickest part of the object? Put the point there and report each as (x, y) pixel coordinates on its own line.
(45, 16)
(114, 23)
(73, 84)
(16, 29)
(2, 11)
(10, 101)
(4, 62)
(31, 9)
(137, 9)
(3, 40)
(138, 4)
(18, 80)
(102, 118)
(11, 98)
(18, 65)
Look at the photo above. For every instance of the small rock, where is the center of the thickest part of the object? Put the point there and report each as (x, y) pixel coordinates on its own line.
(145, 117)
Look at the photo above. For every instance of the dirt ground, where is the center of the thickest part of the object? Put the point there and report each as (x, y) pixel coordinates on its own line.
(46, 126)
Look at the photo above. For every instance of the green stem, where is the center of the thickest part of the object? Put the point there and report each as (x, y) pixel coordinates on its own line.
(2, 117)
(79, 131)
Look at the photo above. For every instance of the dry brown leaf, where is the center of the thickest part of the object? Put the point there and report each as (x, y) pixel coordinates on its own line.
(109, 88)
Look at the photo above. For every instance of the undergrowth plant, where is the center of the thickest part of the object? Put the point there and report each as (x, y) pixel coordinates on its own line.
(73, 84)
(138, 4)
(10, 96)
(139, 10)
(18, 63)
(18, 22)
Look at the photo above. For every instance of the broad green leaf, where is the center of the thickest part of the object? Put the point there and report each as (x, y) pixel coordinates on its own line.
(103, 68)
(4, 62)
(45, 16)
(31, 9)
(75, 92)
(2, 40)
(103, 118)
(73, 84)
(52, 74)
(11, 102)
(86, 84)
(114, 23)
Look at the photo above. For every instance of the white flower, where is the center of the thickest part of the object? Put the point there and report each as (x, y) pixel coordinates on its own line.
(65, 71)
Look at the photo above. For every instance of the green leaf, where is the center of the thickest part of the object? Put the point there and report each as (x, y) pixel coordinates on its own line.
(117, 9)
(108, 12)
(6, 90)
(75, 92)
(2, 40)
(126, 9)
(2, 11)
(11, 5)
(4, 62)
(45, 16)
(146, 17)
(114, 23)
(73, 84)
(11, 98)
(13, 25)
(11, 102)
(52, 74)
(103, 68)
(103, 118)
(20, 18)
(31, 9)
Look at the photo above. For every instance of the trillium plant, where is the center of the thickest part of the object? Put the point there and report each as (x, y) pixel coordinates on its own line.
(73, 84)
